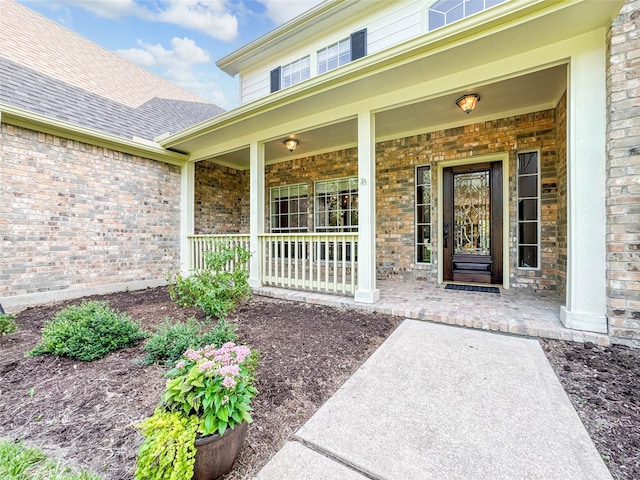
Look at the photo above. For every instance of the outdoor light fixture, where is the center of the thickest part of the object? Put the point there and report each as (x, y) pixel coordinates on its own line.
(468, 102)
(291, 144)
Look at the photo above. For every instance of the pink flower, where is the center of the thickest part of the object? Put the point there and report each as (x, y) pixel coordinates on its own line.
(207, 367)
(181, 364)
(229, 370)
(193, 355)
(229, 382)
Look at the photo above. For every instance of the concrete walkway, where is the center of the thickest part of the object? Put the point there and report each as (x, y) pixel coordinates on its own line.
(440, 402)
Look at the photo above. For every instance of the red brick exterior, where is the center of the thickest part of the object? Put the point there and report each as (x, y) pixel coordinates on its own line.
(221, 199)
(75, 215)
(623, 176)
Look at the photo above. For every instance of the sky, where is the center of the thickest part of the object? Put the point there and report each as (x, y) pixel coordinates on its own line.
(179, 40)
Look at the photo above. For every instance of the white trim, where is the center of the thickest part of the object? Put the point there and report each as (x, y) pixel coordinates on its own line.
(502, 157)
(367, 291)
(586, 187)
(257, 210)
(187, 215)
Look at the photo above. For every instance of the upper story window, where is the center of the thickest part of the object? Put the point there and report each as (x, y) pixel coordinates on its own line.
(334, 56)
(444, 12)
(328, 58)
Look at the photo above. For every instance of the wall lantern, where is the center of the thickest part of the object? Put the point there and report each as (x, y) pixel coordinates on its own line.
(291, 144)
(468, 102)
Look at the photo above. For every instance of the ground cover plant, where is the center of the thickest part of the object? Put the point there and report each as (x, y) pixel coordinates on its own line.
(7, 324)
(18, 462)
(86, 412)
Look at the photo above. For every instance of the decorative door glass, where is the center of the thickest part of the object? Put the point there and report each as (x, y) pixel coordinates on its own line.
(472, 213)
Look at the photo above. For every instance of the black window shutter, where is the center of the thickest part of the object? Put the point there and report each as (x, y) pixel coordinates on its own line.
(358, 44)
(275, 79)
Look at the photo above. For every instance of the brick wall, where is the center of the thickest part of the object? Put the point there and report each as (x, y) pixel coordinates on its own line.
(221, 199)
(73, 215)
(396, 161)
(623, 176)
(561, 168)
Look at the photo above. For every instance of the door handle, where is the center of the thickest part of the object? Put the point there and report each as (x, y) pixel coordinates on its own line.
(445, 235)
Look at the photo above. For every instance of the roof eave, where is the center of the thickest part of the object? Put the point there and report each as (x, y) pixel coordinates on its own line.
(230, 63)
(135, 146)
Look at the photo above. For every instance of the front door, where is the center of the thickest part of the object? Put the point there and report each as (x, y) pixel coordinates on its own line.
(472, 223)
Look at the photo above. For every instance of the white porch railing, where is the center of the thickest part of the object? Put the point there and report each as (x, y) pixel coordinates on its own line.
(198, 244)
(310, 261)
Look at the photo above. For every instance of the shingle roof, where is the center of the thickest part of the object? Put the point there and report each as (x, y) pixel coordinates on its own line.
(29, 39)
(36, 92)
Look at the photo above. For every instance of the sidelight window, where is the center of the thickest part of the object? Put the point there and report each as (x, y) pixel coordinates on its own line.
(423, 215)
(528, 210)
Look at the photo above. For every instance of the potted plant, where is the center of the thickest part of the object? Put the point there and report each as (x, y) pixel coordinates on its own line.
(199, 426)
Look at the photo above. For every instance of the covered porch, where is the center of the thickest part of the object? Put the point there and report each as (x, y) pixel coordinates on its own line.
(379, 122)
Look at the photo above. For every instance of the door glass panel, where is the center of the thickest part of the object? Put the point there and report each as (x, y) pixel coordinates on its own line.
(472, 213)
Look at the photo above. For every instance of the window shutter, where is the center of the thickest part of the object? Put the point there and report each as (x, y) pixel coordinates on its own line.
(358, 44)
(275, 79)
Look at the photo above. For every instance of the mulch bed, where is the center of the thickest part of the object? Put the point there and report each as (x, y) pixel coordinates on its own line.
(84, 413)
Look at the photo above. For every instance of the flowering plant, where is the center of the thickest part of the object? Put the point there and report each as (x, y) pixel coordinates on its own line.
(214, 384)
(207, 392)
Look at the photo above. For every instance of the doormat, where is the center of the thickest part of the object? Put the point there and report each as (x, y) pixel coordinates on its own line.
(472, 288)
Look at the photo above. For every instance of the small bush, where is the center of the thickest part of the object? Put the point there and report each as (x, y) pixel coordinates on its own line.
(87, 332)
(7, 324)
(173, 339)
(213, 289)
(20, 463)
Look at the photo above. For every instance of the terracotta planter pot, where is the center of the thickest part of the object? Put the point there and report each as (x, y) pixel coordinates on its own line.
(215, 454)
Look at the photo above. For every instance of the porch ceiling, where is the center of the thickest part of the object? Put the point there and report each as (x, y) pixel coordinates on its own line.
(526, 93)
(516, 63)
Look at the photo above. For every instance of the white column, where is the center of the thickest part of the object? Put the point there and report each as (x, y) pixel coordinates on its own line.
(367, 291)
(187, 196)
(256, 200)
(586, 164)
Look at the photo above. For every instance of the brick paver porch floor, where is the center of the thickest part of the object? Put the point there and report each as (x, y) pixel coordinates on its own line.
(513, 311)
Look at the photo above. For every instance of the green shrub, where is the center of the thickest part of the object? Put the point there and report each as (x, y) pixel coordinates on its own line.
(213, 289)
(87, 332)
(7, 323)
(173, 339)
(20, 463)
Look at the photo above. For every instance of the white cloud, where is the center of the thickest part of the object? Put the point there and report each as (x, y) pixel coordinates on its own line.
(111, 8)
(281, 11)
(179, 64)
(211, 17)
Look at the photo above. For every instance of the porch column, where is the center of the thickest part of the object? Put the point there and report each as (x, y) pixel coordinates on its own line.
(187, 196)
(586, 164)
(367, 291)
(256, 200)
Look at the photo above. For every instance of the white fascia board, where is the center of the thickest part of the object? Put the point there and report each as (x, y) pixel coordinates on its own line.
(136, 146)
(230, 63)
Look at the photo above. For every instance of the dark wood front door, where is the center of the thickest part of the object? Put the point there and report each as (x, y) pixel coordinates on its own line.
(472, 223)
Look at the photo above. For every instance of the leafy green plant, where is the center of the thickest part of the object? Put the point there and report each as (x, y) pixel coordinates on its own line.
(173, 339)
(216, 384)
(168, 451)
(87, 332)
(7, 324)
(213, 289)
(207, 392)
(20, 463)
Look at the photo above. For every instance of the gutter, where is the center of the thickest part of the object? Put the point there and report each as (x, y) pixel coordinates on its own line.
(136, 146)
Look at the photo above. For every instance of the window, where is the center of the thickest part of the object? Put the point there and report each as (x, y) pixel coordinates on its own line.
(336, 205)
(342, 52)
(289, 209)
(334, 56)
(291, 73)
(423, 215)
(444, 12)
(528, 210)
